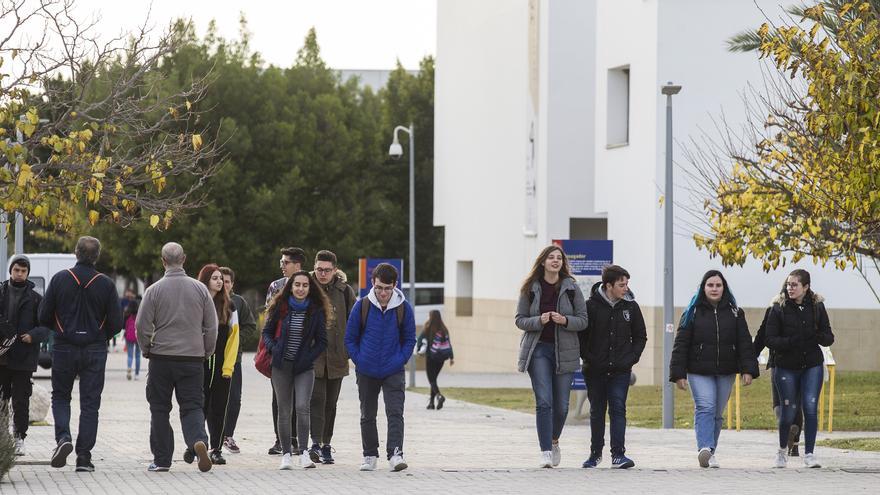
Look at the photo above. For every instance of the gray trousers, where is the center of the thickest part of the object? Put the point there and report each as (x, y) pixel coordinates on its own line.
(392, 388)
(324, 399)
(289, 387)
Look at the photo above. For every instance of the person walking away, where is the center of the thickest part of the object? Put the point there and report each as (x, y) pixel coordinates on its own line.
(711, 346)
(551, 311)
(295, 336)
(435, 345)
(380, 337)
(610, 346)
(177, 330)
(134, 351)
(82, 308)
(21, 347)
(796, 327)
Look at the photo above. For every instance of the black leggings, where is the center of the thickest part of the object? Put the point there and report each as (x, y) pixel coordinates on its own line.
(432, 368)
(216, 406)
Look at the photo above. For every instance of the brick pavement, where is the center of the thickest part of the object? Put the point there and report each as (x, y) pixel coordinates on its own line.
(464, 448)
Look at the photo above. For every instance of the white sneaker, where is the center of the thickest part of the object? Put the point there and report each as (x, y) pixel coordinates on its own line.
(396, 462)
(369, 463)
(781, 459)
(713, 462)
(811, 462)
(305, 461)
(704, 456)
(555, 455)
(546, 459)
(19, 446)
(286, 463)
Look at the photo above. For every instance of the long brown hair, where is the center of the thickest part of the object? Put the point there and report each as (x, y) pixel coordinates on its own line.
(537, 271)
(435, 325)
(316, 295)
(221, 299)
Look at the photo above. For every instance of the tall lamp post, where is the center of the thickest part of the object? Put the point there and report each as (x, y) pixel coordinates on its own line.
(668, 307)
(396, 151)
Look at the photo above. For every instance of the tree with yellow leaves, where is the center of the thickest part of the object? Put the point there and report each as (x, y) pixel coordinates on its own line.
(807, 182)
(88, 127)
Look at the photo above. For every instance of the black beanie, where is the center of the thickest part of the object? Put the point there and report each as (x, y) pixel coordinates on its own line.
(21, 260)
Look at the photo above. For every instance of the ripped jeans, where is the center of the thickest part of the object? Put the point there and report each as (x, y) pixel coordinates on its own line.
(807, 382)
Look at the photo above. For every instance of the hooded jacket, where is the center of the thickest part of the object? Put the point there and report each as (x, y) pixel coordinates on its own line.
(795, 331)
(615, 336)
(382, 347)
(333, 362)
(715, 342)
(23, 356)
(570, 304)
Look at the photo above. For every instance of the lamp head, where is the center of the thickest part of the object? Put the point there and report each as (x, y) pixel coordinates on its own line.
(395, 150)
(670, 89)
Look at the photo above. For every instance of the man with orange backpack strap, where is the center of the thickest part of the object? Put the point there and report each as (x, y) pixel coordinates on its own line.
(82, 307)
(380, 337)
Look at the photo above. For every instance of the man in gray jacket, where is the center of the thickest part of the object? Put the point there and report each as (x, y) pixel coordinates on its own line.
(177, 330)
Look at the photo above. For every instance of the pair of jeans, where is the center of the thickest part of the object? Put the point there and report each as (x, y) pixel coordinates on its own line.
(777, 409)
(216, 390)
(607, 391)
(275, 420)
(710, 393)
(293, 392)
(392, 388)
(552, 392)
(134, 354)
(234, 401)
(88, 363)
(432, 369)
(17, 385)
(799, 389)
(184, 380)
(325, 395)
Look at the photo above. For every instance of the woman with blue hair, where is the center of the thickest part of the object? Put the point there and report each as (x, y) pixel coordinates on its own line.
(712, 345)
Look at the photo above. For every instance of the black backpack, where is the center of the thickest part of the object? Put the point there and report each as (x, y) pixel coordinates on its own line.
(76, 322)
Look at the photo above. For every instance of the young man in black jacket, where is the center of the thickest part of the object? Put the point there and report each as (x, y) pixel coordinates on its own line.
(18, 306)
(612, 343)
(82, 307)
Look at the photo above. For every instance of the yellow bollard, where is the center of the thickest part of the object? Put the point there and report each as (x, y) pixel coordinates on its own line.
(831, 398)
(821, 406)
(738, 419)
(729, 408)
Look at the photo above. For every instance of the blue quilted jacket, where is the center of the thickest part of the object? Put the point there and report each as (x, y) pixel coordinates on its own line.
(381, 348)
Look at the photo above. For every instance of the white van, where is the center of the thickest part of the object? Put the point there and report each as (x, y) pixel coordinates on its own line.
(44, 266)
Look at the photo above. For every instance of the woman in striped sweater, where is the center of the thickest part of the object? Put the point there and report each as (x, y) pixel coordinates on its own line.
(295, 335)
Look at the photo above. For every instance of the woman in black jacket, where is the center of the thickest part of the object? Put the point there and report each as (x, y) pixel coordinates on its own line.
(797, 325)
(712, 345)
(295, 335)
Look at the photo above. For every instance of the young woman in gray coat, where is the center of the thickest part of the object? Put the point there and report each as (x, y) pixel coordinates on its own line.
(550, 312)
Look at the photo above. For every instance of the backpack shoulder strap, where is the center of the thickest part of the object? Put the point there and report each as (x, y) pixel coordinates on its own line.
(75, 278)
(400, 317)
(365, 310)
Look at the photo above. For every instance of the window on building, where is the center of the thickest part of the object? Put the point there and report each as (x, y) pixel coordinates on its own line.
(464, 293)
(618, 107)
(588, 229)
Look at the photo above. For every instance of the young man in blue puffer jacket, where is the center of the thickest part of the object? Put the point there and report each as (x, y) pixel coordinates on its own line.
(380, 339)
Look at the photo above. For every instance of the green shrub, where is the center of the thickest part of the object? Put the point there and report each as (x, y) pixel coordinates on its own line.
(7, 443)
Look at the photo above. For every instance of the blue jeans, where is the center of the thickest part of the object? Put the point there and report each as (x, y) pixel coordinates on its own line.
(551, 394)
(89, 364)
(607, 391)
(807, 383)
(710, 394)
(134, 352)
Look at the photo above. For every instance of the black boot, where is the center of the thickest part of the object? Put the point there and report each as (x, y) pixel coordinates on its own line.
(440, 400)
(431, 403)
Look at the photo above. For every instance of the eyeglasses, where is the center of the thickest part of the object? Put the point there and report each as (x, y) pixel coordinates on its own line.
(380, 288)
(324, 271)
(285, 262)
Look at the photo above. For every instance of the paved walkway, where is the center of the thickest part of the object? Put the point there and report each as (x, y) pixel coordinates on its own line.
(464, 448)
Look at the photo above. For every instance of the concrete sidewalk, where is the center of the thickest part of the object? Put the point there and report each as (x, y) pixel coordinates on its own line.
(464, 448)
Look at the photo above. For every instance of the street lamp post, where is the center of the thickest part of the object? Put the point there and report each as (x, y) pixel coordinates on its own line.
(668, 307)
(396, 151)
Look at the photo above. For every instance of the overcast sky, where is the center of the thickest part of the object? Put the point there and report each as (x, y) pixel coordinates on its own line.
(353, 34)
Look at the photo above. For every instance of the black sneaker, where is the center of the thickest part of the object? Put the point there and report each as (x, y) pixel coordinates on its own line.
(275, 449)
(440, 401)
(327, 454)
(84, 465)
(59, 456)
(315, 453)
(217, 457)
(189, 456)
(621, 462)
(793, 433)
(793, 451)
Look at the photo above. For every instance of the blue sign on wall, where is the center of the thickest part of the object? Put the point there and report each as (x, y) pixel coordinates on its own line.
(587, 258)
(365, 270)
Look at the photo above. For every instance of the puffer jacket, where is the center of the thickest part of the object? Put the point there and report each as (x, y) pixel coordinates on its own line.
(795, 332)
(23, 356)
(570, 304)
(333, 362)
(716, 342)
(615, 336)
(382, 347)
(314, 339)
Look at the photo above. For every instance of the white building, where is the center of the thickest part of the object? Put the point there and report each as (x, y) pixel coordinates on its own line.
(549, 124)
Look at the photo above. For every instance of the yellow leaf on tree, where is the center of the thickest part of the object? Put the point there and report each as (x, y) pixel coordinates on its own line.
(93, 217)
(154, 220)
(197, 142)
